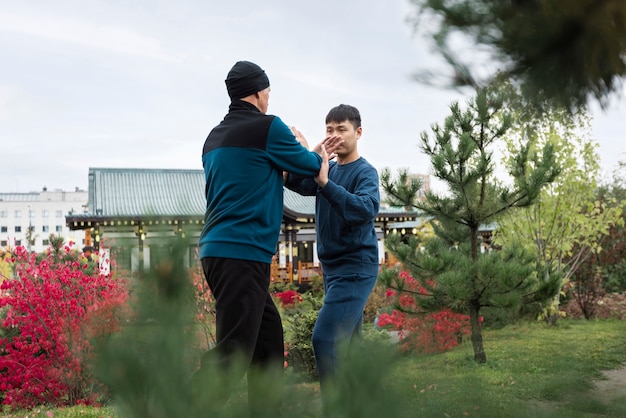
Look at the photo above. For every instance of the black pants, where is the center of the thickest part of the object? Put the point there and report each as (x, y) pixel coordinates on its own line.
(248, 325)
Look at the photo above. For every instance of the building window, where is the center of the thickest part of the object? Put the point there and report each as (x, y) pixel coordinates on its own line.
(31, 228)
(3, 243)
(3, 214)
(18, 229)
(44, 213)
(59, 228)
(4, 229)
(45, 228)
(18, 214)
(45, 242)
(59, 213)
(18, 242)
(31, 214)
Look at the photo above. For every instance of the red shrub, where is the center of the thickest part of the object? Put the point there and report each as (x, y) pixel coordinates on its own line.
(427, 333)
(420, 331)
(288, 298)
(53, 309)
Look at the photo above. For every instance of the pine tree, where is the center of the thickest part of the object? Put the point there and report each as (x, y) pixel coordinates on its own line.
(559, 49)
(451, 267)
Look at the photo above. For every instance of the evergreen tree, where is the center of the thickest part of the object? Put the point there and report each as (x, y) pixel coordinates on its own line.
(451, 267)
(561, 49)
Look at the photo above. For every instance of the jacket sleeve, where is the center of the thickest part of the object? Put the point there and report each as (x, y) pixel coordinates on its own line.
(288, 154)
(356, 207)
(305, 186)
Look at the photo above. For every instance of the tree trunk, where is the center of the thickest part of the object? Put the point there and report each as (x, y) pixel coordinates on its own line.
(474, 241)
(477, 336)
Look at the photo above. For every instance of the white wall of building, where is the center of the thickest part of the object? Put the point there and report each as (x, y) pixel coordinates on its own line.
(42, 211)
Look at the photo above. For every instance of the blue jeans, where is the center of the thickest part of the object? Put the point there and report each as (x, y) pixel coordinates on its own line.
(339, 320)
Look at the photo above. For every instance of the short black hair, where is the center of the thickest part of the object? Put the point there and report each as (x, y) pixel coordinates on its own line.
(344, 112)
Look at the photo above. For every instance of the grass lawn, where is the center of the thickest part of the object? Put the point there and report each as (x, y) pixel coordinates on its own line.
(531, 371)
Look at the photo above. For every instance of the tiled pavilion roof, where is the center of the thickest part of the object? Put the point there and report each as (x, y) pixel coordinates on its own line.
(140, 194)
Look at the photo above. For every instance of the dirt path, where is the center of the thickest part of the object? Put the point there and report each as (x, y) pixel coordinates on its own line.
(613, 387)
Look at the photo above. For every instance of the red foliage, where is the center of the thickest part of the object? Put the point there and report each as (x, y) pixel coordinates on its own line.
(420, 331)
(54, 309)
(288, 298)
(428, 333)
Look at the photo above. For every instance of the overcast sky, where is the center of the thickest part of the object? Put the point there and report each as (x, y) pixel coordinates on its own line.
(139, 84)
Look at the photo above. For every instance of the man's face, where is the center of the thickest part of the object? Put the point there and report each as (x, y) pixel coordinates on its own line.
(350, 136)
(264, 98)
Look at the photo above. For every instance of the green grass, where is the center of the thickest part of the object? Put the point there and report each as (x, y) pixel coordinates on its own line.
(531, 371)
(70, 412)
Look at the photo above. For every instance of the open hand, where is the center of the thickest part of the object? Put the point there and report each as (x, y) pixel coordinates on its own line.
(330, 143)
(322, 177)
(300, 137)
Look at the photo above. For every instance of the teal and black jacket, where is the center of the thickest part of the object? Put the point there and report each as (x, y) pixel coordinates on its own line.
(244, 158)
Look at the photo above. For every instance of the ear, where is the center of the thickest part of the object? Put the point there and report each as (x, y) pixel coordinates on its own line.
(359, 131)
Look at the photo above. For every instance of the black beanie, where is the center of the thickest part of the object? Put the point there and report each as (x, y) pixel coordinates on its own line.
(244, 79)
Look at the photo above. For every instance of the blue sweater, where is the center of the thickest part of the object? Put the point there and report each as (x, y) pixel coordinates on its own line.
(345, 210)
(243, 159)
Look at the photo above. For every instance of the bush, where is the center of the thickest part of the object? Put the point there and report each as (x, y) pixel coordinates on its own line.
(419, 330)
(428, 333)
(53, 310)
(376, 303)
(299, 324)
(288, 298)
(609, 306)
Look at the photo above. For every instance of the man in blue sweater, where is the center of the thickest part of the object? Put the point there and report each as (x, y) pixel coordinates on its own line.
(347, 203)
(244, 158)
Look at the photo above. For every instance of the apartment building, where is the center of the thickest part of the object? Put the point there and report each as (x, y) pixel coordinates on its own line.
(29, 219)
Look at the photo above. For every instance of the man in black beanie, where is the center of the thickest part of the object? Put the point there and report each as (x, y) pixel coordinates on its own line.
(244, 158)
(244, 79)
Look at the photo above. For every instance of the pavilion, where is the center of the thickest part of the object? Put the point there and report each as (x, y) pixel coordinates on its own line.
(132, 212)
